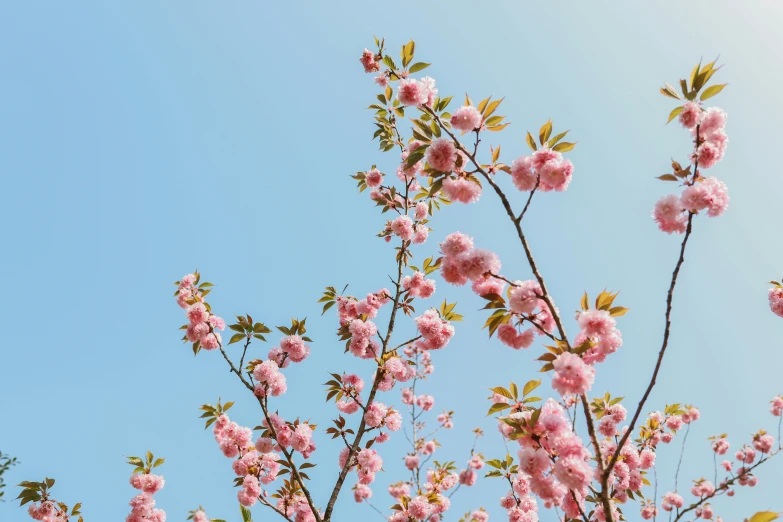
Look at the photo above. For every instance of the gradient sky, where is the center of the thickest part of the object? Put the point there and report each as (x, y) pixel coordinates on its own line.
(142, 140)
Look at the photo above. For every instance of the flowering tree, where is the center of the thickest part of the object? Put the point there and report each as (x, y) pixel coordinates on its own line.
(539, 457)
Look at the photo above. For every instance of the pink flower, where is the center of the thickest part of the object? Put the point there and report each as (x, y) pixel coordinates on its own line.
(467, 477)
(555, 175)
(393, 421)
(411, 461)
(777, 405)
(776, 305)
(361, 492)
(479, 516)
(708, 154)
(455, 244)
(420, 234)
(720, 446)
(572, 375)
(574, 472)
(373, 178)
(509, 336)
(197, 313)
(649, 511)
(668, 213)
(461, 190)
(211, 341)
(425, 402)
(421, 211)
(417, 92)
(402, 226)
(442, 155)
(713, 121)
(419, 508)
(523, 296)
(671, 501)
(522, 173)
(368, 62)
(374, 415)
(479, 262)
(466, 118)
(488, 285)
(690, 115)
(596, 323)
(381, 80)
(712, 194)
(763, 442)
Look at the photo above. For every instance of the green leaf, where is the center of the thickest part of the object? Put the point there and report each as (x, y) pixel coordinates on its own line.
(711, 91)
(764, 516)
(419, 66)
(675, 112)
(531, 142)
(668, 177)
(530, 386)
(545, 132)
(247, 516)
(564, 147)
(236, 338)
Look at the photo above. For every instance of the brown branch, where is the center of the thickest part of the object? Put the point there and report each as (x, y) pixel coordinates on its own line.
(666, 333)
(286, 453)
(719, 491)
(545, 297)
(385, 343)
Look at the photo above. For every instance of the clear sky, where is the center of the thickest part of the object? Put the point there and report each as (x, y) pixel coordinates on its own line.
(142, 140)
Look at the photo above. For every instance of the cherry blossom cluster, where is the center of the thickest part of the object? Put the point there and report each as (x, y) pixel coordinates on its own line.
(255, 464)
(554, 463)
(202, 326)
(776, 299)
(143, 505)
(544, 170)
(700, 193)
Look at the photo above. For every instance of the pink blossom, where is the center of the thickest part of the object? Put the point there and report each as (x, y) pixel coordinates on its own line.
(455, 244)
(479, 262)
(720, 446)
(461, 190)
(523, 296)
(368, 62)
(411, 461)
(402, 226)
(672, 500)
(668, 213)
(555, 175)
(708, 154)
(467, 477)
(361, 492)
(777, 406)
(374, 415)
(421, 211)
(509, 336)
(763, 442)
(776, 305)
(425, 402)
(442, 155)
(420, 234)
(488, 285)
(373, 178)
(522, 174)
(466, 118)
(596, 323)
(572, 375)
(417, 92)
(713, 120)
(197, 313)
(690, 115)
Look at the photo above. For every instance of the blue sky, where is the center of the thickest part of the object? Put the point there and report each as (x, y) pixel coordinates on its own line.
(141, 140)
